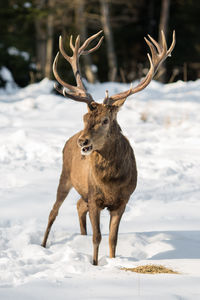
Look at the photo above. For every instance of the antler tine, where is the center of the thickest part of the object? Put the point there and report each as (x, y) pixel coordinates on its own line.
(77, 92)
(154, 42)
(140, 86)
(71, 96)
(172, 44)
(77, 46)
(163, 41)
(61, 48)
(152, 49)
(62, 82)
(80, 98)
(159, 54)
(73, 60)
(94, 48)
(58, 89)
(88, 41)
(71, 43)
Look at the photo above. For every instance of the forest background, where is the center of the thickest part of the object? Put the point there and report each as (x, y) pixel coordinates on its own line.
(29, 33)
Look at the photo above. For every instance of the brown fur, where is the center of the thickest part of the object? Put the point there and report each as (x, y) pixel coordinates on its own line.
(105, 178)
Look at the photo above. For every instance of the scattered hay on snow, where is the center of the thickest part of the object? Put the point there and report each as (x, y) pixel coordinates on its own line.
(151, 269)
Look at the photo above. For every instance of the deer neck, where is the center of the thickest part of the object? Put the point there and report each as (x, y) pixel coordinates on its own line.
(112, 144)
(107, 162)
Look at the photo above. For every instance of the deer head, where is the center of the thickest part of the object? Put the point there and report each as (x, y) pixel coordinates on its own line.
(99, 124)
(100, 121)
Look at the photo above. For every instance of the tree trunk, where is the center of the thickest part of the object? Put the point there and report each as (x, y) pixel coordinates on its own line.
(40, 48)
(49, 44)
(151, 16)
(40, 27)
(164, 17)
(105, 20)
(82, 29)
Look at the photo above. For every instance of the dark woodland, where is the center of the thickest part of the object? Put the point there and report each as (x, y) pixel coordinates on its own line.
(29, 33)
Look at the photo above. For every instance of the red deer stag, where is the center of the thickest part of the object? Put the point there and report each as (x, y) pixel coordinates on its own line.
(99, 161)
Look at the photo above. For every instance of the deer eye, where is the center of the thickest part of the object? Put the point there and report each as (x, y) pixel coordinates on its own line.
(105, 121)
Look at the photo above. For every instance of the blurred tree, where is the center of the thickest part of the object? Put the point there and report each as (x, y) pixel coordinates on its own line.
(163, 25)
(49, 44)
(111, 56)
(164, 18)
(41, 37)
(81, 27)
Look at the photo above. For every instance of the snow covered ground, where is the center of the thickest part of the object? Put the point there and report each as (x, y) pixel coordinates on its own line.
(161, 224)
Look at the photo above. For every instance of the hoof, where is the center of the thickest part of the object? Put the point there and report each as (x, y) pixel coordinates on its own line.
(95, 263)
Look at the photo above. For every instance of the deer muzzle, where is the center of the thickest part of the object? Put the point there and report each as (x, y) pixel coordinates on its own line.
(85, 145)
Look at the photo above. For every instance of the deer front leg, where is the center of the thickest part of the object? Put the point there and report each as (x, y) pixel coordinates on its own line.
(62, 191)
(115, 217)
(94, 213)
(82, 208)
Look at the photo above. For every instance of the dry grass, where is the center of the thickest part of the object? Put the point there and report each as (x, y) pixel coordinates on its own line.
(151, 269)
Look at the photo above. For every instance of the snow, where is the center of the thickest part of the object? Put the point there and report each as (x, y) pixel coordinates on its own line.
(161, 224)
(14, 51)
(10, 85)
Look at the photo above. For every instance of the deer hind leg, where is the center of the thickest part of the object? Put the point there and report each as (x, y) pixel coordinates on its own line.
(62, 192)
(82, 208)
(94, 213)
(115, 217)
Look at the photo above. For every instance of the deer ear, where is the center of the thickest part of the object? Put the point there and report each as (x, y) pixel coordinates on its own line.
(119, 103)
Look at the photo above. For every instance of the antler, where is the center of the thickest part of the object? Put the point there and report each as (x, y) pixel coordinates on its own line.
(78, 92)
(159, 54)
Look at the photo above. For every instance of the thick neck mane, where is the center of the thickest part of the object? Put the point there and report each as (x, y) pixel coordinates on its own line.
(112, 162)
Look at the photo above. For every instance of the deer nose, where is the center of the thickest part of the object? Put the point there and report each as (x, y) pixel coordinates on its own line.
(83, 142)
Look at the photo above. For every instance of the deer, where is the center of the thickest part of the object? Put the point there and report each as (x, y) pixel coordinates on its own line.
(99, 161)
